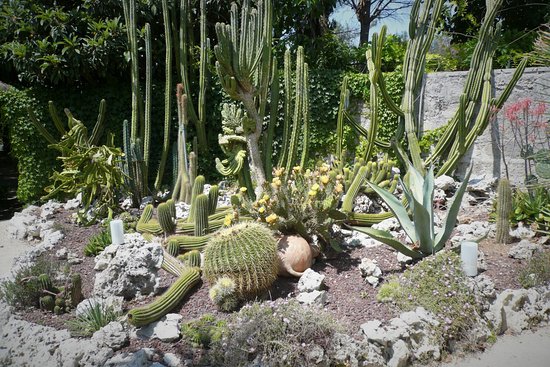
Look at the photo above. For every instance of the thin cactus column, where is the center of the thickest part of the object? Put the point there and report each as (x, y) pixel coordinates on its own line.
(504, 208)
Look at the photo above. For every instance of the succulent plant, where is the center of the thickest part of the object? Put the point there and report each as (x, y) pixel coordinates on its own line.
(154, 311)
(245, 253)
(504, 209)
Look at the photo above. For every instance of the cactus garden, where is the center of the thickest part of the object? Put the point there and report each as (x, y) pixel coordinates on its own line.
(234, 201)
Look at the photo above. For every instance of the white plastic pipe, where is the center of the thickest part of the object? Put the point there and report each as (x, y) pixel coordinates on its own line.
(117, 232)
(468, 255)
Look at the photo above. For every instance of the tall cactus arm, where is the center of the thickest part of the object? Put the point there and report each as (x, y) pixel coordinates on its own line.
(45, 133)
(200, 123)
(130, 17)
(99, 125)
(287, 110)
(167, 95)
(342, 106)
(305, 117)
(273, 115)
(148, 98)
(55, 117)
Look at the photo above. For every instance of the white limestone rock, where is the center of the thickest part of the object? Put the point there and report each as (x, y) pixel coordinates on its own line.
(311, 281)
(140, 358)
(314, 298)
(130, 269)
(524, 250)
(400, 354)
(112, 302)
(113, 335)
(522, 232)
(390, 224)
(445, 183)
(513, 309)
(166, 329)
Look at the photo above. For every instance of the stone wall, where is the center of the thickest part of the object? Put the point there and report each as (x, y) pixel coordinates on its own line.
(440, 101)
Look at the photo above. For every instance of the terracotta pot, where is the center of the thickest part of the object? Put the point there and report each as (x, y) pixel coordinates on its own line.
(295, 256)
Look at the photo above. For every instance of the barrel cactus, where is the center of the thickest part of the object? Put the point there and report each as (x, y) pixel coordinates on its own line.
(245, 253)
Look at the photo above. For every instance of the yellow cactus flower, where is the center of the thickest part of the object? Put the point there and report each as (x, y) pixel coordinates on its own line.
(261, 202)
(243, 189)
(272, 218)
(315, 187)
(339, 188)
(325, 179)
(339, 177)
(265, 197)
(297, 168)
(312, 193)
(227, 220)
(278, 172)
(261, 210)
(324, 168)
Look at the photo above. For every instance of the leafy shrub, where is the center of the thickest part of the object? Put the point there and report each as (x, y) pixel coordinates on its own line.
(530, 208)
(94, 317)
(97, 243)
(537, 271)
(25, 290)
(203, 331)
(300, 202)
(438, 284)
(275, 335)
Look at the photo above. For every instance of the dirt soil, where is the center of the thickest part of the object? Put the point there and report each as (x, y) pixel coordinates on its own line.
(351, 300)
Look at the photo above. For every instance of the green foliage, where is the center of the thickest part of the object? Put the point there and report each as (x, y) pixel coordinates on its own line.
(300, 202)
(438, 284)
(419, 193)
(530, 207)
(201, 333)
(26, 288)
(537, 271)
(97, 243)
(95, 316)
(278, 335)
(246, 253)
(62, 43)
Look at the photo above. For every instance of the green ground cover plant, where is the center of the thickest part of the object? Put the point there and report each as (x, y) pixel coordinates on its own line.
(537, 271)
(275, 335)
(438, 284)
(95, 316)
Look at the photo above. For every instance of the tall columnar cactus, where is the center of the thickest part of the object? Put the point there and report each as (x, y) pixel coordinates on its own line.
(166, 302)
(213, 195)
(198, 188)
(472, 116)
(243, 65)
(166, 213)
(201, 215)
(146, 223)
(191, 258)
(504, 209)
(138, 133)
(245, 253)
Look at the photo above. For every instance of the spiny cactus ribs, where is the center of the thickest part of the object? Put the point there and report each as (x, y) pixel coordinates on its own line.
(245, 253)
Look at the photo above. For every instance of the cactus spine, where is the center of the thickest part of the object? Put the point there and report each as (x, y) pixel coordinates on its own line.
(246, 253)
(166, 302)
(504, 208)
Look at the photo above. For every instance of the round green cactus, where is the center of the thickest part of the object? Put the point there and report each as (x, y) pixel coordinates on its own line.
(245, 253)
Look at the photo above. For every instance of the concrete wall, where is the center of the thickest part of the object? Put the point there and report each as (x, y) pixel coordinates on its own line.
(440, 101)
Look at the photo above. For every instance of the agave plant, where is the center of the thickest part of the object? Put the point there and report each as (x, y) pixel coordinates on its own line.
(419, 194)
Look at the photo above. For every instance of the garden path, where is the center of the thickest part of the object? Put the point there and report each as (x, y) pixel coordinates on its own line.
(529, 349)
(9, 249)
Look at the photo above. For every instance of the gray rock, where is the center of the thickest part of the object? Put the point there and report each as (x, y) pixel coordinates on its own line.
(400, 354)
(113, 335)
(374, 356)
(481, 263)
(74, 259)
(166, 329)
(62, 253)
(139, 358)
(374, 332)
(315, 354)
(73, 203)
(512, 310)
(390, 224)
(369, 267)
(411, 318)
(310, 281)
(427, 352)
(403, 260)
(318, 298)
(426, 316)
(481, 186)
(48, 209)
(182, 210)
(522, 232)
(445, 183)
(131, 268)
(171, 360)
(345, 350)
(524, 250)
(473, 231)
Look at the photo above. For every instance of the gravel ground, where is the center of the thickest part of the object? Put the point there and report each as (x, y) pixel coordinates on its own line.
(351, 300)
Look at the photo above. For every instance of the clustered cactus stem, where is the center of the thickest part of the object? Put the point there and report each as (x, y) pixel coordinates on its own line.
(473, 114)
